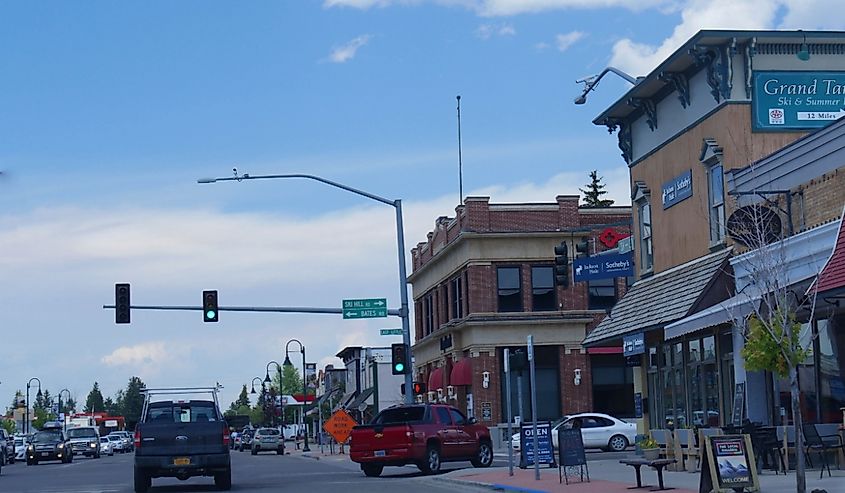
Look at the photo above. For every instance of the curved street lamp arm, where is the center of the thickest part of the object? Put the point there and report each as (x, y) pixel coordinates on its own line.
(591, 82)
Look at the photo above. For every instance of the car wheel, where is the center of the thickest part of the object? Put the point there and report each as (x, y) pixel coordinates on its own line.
(431, 463)
(241, 448)
(617, 443)
(254, 451)
(484, 457)
(280, 451)
(223, 480)
(372, 470)
(143, 481)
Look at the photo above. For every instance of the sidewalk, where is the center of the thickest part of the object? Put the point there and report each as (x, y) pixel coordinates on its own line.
(609, 476)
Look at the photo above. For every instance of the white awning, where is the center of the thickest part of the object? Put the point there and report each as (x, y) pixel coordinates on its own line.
(730, 310)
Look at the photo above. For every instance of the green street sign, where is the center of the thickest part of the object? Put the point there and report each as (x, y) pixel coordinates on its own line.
(391, 332)
(797, 100)
(365, 308)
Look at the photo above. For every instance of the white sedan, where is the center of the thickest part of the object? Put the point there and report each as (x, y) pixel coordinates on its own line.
(106, 446)
(597, 430)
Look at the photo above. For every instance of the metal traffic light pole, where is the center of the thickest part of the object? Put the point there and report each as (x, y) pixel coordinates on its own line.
(400, 237)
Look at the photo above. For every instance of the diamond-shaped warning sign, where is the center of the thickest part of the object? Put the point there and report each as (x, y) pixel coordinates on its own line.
(339, 426)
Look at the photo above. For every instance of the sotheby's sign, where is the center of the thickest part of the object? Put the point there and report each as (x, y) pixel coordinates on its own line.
(677, 189)
(603, 267)
(797, 100)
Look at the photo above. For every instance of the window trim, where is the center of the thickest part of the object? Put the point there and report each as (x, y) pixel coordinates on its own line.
(643, 202)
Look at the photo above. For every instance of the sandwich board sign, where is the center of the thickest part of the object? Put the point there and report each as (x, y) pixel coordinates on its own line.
(544, 453)
(728, 464)
(571, 454)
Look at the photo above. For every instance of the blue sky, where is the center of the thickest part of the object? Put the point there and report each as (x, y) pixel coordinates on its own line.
(110, 111)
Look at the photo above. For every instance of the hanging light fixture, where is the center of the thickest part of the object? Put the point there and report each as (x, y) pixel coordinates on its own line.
(803, 50)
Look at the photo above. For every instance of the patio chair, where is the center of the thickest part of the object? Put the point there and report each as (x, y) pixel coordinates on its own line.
(765, 441)
(703, 433)
(684, 447)
(664, 443)
(821, 444)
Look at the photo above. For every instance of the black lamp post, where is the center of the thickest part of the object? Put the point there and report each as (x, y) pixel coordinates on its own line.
(253, 384)
(304, 387)
(28, 384)
(281, 398)
(64, 426)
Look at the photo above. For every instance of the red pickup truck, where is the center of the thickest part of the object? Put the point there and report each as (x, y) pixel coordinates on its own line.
(421, 434)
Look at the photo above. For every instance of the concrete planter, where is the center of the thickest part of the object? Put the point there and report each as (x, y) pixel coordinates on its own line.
(651, 453)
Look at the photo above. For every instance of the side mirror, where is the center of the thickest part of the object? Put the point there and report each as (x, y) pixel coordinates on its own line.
(472, 421)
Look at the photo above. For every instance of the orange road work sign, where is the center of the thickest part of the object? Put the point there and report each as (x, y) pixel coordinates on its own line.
(339, 426)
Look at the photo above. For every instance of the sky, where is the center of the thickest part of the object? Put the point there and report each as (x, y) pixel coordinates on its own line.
(110, 111)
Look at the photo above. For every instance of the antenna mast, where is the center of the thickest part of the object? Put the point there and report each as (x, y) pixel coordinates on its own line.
(460, 162)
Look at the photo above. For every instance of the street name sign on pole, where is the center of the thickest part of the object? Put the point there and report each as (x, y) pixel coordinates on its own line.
(391, 332)
(365, 308)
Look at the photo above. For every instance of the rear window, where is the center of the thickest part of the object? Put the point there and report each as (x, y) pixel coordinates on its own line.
(268, 431)
(400, 415)
(183, 412)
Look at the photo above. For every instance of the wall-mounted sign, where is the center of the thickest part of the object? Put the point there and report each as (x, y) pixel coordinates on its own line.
(677, 189)
(626, 244)
(633, 344)
(755, 225)
(638, 404)
(486, 411)
(797, 100)
(610, 237)
(603, 267)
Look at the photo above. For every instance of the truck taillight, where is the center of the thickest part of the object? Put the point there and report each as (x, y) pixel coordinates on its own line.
(410, 434)
(137, 438)
(226, 437)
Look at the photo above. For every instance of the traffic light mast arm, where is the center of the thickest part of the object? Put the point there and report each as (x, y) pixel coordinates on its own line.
(275, 309)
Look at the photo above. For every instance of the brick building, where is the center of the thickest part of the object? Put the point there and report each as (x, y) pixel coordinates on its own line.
(484, 280)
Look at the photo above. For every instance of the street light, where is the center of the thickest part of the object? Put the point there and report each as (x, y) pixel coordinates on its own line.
(281, 399)
(400, 240)
(592, 81)
(304, 387)
(64, 420)
(253, 383)
(26, 419)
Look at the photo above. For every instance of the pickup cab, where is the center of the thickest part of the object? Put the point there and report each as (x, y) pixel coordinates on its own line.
(182, 439)
(424, 434)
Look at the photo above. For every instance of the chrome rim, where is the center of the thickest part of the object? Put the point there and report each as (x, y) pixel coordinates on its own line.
(617, 443)
(433, 460)
(485, 454)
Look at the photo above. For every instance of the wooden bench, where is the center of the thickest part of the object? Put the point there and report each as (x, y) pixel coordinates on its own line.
(657, 464)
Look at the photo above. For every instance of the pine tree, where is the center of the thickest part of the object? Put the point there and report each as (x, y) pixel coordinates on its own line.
(94, 402)
(243, 399)
(595, 189)
(133, 401)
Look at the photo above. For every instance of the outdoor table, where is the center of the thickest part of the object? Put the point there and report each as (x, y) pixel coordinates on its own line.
(657, 464)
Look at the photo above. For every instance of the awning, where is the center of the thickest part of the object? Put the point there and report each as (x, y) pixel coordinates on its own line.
(832, 276)
(435, 380)
(461, 372)
(345, 399)
(661, 299)
(361, 399)
(732, 309)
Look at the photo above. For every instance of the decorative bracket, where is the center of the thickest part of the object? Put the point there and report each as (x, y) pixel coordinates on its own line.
(680, 83)
(624, 137)
(750, 51)
(717, 61)
(649, 108)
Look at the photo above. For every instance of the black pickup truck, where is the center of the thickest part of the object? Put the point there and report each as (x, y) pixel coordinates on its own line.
(181, 439)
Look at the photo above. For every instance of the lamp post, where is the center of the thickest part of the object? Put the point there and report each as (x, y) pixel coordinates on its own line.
(304, 387)
(64, 420)
(28, 384)
(591, 82)
(253, 384)
(281, 398)
(400, 240)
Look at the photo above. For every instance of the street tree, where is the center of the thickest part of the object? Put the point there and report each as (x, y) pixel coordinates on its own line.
(594, 191)
(243, 398)
(133, 401)
(94, 401)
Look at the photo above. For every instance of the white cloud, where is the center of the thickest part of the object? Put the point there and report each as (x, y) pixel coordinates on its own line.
(541, 46)
(347, 51)
(565, 41)
(141, 354)
(486, 31)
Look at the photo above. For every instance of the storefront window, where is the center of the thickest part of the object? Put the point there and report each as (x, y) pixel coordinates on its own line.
(832, 367)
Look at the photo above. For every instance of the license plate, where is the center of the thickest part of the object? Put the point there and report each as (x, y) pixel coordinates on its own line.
(181, 461)
(380, 453)
(45, 454)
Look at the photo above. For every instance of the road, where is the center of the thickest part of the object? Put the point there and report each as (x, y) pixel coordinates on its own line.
(268, 472)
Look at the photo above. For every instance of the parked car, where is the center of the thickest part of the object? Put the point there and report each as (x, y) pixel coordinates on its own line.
(85, 440)
(421, 434)
(182, 439)
(117, 443)
(106, 446)
(49, 444)
(20, 447)
(598, 430)
(267, 440)
(128, 440)
(7, 443)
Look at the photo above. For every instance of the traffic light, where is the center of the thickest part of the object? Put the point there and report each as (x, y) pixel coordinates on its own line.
(518, 361)
(562, 264)
(419, 388)
(121, 303)
(209, 306)
(399, 359)
(583, 248)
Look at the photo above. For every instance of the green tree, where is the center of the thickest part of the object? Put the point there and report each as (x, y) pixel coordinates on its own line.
(8, 425)
(243, 398)
(291, 380)
(69, 406)
(41, 416)
(94, 401)
(17, 400)
(594, 191)
(133, 401)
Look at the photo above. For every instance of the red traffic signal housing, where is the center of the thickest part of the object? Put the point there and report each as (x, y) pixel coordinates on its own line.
(418, 387)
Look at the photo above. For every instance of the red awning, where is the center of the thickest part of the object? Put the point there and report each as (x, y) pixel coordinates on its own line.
(832, 275)
(435, 380)
(461, 372)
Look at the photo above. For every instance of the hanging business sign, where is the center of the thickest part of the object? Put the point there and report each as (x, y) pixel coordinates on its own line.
(603, 267)
(677, 189)
(633, 344)
(797, 100)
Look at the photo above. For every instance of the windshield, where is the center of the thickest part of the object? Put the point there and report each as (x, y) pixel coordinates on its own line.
(113, 438)
(400, 415)
(46, 437)
(81, 433)
(268, 431)
(104, 439)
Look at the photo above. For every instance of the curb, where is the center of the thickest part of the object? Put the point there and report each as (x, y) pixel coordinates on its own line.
(490, 486)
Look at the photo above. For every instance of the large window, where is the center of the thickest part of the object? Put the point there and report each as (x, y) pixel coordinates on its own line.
(646, 246)
(602, 294)
(509, 289)
(428, 314)
(457, 300)
(716, 189)
(543, 288)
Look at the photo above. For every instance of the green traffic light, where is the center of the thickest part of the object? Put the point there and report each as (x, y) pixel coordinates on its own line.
(210, 314)
(400, 367)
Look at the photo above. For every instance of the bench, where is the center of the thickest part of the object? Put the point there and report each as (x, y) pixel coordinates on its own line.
(657, 464)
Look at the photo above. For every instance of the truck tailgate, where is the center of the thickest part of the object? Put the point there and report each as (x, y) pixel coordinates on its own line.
(170, 439)
(372, 438)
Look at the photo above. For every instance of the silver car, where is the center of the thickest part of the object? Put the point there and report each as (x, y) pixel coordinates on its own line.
(267, 440)
(106, 446)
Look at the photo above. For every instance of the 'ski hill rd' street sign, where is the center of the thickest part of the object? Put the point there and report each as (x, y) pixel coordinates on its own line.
(365, 308)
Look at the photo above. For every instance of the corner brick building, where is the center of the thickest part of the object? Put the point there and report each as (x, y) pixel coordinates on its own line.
(484, 280)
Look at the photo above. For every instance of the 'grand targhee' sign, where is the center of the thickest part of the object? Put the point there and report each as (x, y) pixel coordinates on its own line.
(797, 100)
